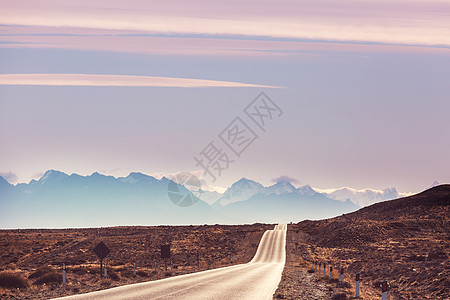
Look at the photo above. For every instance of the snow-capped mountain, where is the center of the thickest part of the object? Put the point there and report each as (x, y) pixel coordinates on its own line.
(280, 188)
(136, 177)
(59, 200)
(209, 197)
(241, 190)
(52, 177)
(306, 190)
(362, 197)
(245, 189)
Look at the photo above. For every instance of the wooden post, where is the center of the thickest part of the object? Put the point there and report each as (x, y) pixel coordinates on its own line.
(324, 269)
(134, 269)
(106, 271)
(320, 265)
(342, 276)
(156, 271)
(331, 272)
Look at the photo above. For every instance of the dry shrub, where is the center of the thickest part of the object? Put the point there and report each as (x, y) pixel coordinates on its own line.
(79, 270)
(13, 280)
(48, 278)
(41, 271)
(142, 273)
(340, 296)
(126, 273)
(113, 275)
(106, 282)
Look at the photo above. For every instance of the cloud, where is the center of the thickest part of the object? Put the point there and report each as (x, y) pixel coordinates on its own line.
(115, 80)
(9, 176)
(104, 41)
(285, 178)
(421, 22)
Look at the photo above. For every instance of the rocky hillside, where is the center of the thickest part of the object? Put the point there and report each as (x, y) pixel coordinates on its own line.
(404, 241)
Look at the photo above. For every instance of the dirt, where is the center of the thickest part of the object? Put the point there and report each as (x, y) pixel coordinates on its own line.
(296, 282)
(404, 242)
(24, 251)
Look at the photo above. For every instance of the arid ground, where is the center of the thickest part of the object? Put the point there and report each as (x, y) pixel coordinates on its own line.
(36, 256)
(405, 242)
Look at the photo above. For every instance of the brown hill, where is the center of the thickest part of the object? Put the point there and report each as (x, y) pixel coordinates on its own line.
(404, 241)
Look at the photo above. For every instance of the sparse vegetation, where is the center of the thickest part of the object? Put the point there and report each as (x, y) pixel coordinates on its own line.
(49, 278)
(113, 275)
(13, 280)
(41, 271)
(40, 253)
(79, 270)
(403, 241)
(340, 296)
(142, 273)
(126, 273)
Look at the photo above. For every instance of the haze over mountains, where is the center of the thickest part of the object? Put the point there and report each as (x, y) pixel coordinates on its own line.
(60, 200)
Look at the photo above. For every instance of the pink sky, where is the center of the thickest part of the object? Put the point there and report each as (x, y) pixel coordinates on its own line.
(401, 22)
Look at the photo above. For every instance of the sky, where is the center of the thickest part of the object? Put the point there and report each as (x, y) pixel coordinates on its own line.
(355, 93)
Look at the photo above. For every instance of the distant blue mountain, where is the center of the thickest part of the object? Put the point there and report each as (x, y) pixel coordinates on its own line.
(250, 202)
(59, 200)
(287, 207)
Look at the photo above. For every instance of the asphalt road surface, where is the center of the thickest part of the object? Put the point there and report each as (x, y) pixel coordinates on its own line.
(257, 279)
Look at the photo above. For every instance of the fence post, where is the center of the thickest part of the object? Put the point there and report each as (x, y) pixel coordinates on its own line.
(315, 266)
(357, 286)
(134, 269)
(320, 265)
(155, 268)
(331, 272)
(106, 272)
(64, 274)
(384, 290)
(342, 276)
(324, 269)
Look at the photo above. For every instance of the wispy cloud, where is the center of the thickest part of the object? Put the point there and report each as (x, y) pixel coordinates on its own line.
(285, 178)
(188, 46)
(418, 22)
(116, 80)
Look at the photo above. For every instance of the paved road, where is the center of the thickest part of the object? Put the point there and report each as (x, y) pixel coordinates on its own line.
(257, 279)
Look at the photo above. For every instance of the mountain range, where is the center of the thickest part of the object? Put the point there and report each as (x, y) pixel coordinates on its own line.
(59, 200)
